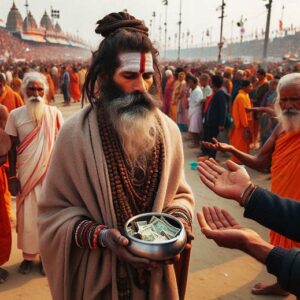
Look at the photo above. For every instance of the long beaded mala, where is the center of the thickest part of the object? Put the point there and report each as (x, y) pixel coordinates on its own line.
(130, 195)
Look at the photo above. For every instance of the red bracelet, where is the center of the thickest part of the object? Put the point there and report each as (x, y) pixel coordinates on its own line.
(97, 231)
(12, 177)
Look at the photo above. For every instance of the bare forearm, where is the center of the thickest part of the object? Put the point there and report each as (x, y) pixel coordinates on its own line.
(249, 160)
(259, 249)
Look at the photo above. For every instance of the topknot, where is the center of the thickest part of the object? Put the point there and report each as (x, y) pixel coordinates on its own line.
(122, 20)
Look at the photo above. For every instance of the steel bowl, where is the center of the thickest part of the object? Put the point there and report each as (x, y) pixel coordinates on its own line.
(160, 250)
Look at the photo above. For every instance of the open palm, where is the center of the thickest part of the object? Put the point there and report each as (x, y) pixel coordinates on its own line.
(226, 183)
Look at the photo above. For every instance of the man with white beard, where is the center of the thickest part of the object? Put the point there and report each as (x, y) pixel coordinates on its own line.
(282, 152)
(119, 157)
(33, 130)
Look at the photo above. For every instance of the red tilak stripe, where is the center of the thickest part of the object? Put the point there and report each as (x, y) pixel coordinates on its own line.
(143, 62)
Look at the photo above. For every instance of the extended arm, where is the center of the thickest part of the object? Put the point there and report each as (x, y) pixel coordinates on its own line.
(267, 208)
(259, 162)
(260, 205)
(219, 225)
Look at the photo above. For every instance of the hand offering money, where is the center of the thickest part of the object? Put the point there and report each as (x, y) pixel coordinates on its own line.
(158, 229)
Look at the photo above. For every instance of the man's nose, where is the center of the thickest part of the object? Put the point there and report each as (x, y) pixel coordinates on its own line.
(139, 84)
(289, 104)
(35, 93)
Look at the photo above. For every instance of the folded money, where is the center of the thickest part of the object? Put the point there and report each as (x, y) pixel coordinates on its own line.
(158, 229)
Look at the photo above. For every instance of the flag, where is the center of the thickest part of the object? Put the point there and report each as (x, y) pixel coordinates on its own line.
(280, 25)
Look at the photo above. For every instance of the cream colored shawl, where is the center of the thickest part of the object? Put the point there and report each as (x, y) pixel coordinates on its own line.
(76, 186)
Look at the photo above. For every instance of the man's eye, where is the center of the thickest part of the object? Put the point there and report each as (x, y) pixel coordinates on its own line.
(147, 76)
(129, 75)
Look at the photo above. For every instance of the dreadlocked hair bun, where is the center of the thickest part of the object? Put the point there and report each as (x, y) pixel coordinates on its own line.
(117, 21)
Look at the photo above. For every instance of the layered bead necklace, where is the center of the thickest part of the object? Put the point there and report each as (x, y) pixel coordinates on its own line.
(132, 192)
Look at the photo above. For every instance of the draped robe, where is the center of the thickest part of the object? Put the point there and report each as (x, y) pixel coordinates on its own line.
(5, 207)
(77, 185)
(10, 98)
(241, 120)
(33, 155)
(285, 174)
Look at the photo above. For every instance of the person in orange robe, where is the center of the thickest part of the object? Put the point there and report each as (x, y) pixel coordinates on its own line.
(5, 207)
(74, 87)
(282, 152)
(240, 136)
(8, 97)
(51, 91)
(16, 82)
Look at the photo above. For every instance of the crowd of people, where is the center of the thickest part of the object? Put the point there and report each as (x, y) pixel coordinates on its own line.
(237, 100)
(13, 48)
(122, 155)
(66, 78)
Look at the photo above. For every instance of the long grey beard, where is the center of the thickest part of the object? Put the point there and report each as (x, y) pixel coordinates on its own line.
(36, 110)
(137, 127)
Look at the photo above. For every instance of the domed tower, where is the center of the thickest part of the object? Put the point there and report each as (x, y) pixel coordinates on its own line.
(46, 22)
(58, 28)
(14, 20)
(29, 23)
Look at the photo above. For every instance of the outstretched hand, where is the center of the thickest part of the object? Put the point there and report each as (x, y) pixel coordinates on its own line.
(225, 183)
(216, 145)
(217, 224)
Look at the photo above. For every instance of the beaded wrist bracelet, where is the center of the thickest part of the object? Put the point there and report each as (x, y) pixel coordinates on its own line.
(181, 213)
(96, 234)
(86, 233)
(246, 194)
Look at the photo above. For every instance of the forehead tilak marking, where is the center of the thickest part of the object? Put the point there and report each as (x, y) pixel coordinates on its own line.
(136, 62)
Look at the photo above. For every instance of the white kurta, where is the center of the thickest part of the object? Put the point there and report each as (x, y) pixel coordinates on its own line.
(195, 114)
(33, 155)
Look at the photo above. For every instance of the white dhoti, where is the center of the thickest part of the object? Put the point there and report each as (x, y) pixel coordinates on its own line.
(195, 118)
(33, 156)
(27, 223)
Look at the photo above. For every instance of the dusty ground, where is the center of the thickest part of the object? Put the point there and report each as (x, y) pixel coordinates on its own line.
(215, 273)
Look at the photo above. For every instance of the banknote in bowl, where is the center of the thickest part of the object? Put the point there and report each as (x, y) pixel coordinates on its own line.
(157, 236)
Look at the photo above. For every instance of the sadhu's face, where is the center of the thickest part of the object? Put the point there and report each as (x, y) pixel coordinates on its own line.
(135, 73)
(35, 90)
(290, 99)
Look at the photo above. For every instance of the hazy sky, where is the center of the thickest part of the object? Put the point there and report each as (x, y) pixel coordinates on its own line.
(198, 16)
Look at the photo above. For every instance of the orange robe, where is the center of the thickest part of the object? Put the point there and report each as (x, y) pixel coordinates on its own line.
(5, 232)
(51, 92)
(285, 174)
(10, 99)
(74, 87)
(241, 120)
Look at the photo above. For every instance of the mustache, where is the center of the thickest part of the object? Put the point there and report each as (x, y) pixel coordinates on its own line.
(35, 99)
(133, 101)
(290, 112)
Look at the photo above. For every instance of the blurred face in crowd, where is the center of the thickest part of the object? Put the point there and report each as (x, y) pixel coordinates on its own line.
(192, 84)
(181, 76)
(248, 88)
(204, 81)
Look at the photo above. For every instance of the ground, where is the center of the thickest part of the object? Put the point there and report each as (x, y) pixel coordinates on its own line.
(215, 273)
